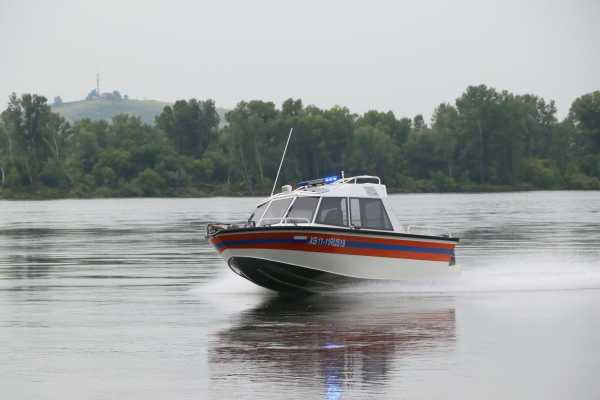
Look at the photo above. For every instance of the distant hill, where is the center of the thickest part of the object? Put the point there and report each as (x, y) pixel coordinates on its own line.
(105, 109)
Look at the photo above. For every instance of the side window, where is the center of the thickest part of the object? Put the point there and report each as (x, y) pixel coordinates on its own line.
(370, 214)
(257, 214)
(275, 211)
(303, 209)
(333, 211)
(374, 214)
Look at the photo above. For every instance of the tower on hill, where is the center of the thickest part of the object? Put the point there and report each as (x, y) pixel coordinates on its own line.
(95, 93)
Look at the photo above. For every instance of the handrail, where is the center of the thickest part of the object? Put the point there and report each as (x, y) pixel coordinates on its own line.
(214, 227)
(285, 221)
(355, 178)
(296, 221)
(341, 181)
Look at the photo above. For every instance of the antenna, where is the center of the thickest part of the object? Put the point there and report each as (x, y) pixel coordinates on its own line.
(98, 84)
(281, 163)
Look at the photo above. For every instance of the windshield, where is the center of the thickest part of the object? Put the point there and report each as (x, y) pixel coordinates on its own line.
(258, 213)
(302, 210)
(275, 211)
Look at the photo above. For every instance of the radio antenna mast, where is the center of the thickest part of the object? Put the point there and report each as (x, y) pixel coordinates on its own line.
(281, 163)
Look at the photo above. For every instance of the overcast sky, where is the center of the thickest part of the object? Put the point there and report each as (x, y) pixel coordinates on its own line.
(404, 56)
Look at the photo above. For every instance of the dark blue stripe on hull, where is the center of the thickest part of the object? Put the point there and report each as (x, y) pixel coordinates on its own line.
(287, 278)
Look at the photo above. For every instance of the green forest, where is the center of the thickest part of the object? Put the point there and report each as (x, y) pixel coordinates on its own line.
(487, 140)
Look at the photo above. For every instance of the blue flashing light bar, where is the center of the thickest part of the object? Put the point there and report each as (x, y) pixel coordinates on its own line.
(320, 181)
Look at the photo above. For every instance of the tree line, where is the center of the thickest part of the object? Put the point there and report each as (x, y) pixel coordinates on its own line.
(485, 140)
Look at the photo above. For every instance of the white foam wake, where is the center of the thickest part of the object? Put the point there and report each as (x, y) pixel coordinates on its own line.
(528, 273)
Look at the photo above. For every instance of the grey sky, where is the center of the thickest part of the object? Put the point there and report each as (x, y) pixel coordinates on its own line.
(398, 55)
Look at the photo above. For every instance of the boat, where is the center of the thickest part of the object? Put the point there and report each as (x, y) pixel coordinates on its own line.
(329, 232)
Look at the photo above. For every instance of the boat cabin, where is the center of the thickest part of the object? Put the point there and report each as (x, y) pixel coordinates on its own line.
(358, 202)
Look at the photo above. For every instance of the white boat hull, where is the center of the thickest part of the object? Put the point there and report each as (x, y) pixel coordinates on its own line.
(361, 267)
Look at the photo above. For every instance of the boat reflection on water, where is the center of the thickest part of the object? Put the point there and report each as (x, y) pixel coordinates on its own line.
(347, 344)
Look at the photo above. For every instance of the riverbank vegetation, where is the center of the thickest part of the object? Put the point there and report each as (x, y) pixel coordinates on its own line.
(486, 140)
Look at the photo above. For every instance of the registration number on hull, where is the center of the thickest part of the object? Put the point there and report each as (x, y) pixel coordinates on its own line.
(326, 241)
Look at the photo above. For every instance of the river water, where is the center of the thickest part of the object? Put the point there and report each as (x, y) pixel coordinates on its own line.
(125, 299)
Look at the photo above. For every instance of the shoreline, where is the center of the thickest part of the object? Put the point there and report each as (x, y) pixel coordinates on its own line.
(55, 195)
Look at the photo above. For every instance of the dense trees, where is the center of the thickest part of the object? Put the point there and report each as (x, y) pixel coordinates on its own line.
(585, 114)
(486, 140)
(191, 126)
(34, 137)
